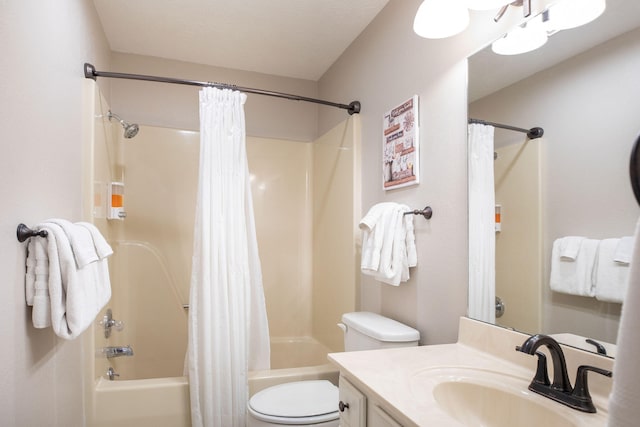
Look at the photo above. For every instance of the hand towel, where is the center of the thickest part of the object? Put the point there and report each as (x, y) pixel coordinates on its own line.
(373, 232)
(624, 250)
(84, 251)
(103, 249)
(76, 295)
(624, 410)
(388, 248)
(610, 277)
(574, 276)
(569, 246)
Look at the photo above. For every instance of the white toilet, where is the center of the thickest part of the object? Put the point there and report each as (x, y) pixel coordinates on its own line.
(315, 403)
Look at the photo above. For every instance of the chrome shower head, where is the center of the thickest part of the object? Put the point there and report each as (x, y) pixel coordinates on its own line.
(130, 129)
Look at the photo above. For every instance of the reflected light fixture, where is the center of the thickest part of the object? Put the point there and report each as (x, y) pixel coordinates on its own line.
(567, 14)
(524, 38)
(437, 19)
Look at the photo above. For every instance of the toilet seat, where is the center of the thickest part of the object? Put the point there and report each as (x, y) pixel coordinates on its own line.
(296, 403)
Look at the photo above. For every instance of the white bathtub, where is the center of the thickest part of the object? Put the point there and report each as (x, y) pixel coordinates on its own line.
(164, 402)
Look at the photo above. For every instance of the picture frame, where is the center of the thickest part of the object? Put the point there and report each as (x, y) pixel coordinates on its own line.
(401, 145)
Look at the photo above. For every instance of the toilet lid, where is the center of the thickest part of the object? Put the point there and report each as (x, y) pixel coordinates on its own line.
(300, 399)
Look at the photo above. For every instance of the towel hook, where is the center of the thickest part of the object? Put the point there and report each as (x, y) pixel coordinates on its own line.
(25, 232)
(427, 212)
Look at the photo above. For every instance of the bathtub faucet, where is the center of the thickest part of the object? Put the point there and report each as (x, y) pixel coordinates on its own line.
(117, 351)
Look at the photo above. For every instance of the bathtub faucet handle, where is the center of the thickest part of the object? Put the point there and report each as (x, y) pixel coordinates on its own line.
(108, 322)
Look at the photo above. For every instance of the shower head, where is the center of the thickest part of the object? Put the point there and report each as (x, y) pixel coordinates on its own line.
(130, 129)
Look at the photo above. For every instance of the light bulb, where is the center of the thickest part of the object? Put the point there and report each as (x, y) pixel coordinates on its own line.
(522, 39)
(486, 4)
(438, 19)
(568, 14)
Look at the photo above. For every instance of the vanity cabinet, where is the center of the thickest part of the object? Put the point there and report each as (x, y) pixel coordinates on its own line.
(358, 410)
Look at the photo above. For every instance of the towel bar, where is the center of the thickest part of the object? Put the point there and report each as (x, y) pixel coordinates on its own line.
(25, 232)
(427, 212)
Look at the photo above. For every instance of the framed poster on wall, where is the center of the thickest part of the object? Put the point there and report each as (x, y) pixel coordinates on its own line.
(400, 145)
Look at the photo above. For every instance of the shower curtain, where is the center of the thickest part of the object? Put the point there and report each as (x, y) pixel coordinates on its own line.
(228, 330)
(482, 235)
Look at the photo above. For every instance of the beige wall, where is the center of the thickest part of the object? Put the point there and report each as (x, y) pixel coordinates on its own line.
(44, 100)
(176, 106)
(386, 65)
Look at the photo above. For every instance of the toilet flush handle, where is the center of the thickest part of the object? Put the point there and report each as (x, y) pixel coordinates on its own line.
(342, 326)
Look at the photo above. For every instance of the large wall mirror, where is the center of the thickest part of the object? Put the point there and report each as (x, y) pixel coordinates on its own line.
(583, 88)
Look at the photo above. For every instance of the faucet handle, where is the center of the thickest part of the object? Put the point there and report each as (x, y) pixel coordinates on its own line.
(581, 388)
(542, 373)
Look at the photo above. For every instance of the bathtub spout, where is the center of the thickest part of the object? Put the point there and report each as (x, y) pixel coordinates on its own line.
(117, 351)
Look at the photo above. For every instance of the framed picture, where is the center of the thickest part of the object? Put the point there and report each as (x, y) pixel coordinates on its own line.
(400, 146)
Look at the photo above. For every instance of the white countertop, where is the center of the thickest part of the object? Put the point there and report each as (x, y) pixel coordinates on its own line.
(402, 380)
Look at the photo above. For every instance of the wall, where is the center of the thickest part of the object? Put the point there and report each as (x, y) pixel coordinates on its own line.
(384, 66)
(44, 100)
(176, 106)
(589, 133)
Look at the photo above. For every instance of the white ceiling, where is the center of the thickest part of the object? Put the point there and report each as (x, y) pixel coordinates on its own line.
(291, 38)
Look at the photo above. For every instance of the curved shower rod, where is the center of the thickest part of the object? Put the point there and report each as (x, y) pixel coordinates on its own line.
(532, 133)
(90, 72)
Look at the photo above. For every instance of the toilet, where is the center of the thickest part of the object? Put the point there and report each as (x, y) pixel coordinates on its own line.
(315, 402)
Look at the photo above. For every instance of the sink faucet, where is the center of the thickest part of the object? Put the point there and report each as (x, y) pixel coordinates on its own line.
(560, 389)
(117, 351)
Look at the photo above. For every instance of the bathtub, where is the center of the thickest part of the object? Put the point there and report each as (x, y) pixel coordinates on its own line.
(164, 402)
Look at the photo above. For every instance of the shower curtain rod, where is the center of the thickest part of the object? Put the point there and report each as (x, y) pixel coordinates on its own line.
(532, 133)
(90, 72)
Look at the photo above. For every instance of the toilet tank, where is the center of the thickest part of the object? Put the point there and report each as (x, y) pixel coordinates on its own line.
(367, 331)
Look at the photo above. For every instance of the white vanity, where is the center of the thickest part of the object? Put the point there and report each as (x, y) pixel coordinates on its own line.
(480, 380)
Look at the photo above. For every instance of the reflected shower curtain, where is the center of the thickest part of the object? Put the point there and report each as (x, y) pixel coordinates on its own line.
(228, 330)
(482, 235)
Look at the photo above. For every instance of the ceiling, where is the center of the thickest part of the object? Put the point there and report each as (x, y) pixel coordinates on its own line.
(290, 38)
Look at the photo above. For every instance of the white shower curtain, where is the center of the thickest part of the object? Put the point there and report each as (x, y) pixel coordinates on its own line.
(482, 237)
(228, 331)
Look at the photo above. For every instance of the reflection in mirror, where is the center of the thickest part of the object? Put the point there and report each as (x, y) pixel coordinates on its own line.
(582, 88)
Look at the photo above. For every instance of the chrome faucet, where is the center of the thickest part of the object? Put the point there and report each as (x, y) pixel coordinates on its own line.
(560, 389)
(117, 351)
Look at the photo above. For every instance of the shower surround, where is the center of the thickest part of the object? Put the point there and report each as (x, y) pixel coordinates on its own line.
(306, 201)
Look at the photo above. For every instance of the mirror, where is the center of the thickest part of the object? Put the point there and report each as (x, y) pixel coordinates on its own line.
(582, 88)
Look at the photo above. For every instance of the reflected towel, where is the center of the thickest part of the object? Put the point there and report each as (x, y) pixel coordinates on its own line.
(570, 246)
(574, 277)
(624, 250)
(624, 410)
(610, 277)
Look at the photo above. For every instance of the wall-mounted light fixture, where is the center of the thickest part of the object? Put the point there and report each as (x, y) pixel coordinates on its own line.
(445, 18)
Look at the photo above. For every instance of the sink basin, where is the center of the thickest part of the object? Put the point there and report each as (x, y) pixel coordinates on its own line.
(475, 404)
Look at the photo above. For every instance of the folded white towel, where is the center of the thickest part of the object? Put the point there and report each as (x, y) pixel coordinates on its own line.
(574, 276)
(37, 283)
(76, 296)
(388, 248)
(84, 251)
(373, 232)
(624, 410)
(624, 250)
(569, 246)
(101, 246)
(610, 277)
